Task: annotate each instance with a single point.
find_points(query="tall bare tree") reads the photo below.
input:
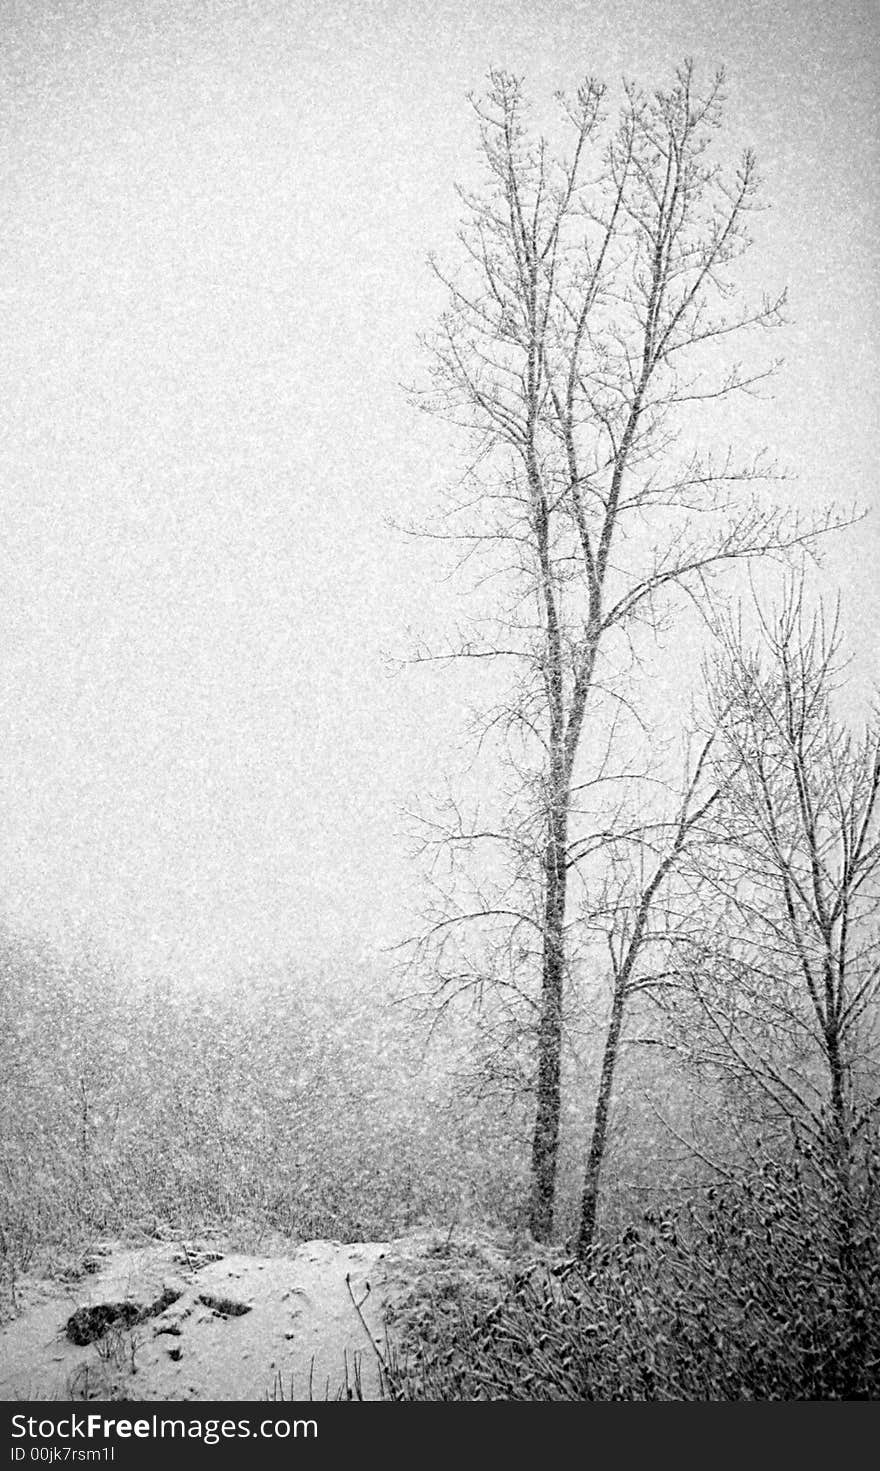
(589, 337)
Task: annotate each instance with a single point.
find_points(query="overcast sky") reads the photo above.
(215, 218)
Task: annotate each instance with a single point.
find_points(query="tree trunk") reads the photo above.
(545, 1141)
(590, 1197)
(839, 1121)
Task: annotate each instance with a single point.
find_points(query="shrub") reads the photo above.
(764, 1289)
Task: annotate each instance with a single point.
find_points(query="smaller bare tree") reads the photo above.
(798, 872)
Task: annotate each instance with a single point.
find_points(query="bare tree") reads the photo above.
(588, 340)
(790, 972)
(783, 960)
(636, 927)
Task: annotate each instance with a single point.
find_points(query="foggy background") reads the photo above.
(215, 222)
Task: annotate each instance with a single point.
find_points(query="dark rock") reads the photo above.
(88, 1324)
(225, 1307)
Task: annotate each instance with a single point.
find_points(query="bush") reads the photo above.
(766, 1289)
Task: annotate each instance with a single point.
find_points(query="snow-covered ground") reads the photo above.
(241, 1328)
(308, 1321)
